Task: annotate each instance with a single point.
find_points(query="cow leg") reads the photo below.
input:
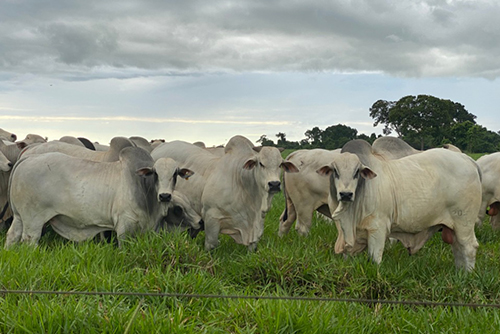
(304, 219)
(32, 232)
(340, 242)
(287, 218)
(376, 244)
(464, 249)
(15, 232)
(212, 229)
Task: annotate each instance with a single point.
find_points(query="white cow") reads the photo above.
(11, 153)
(408, 199)
(233, 192)
(81, 198)
(32, 139)
(8, 136)
(305, 191)
(116, 145)
(490, 167)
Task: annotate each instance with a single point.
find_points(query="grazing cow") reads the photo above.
(8, 136)
(408, 199)
(490, 167)
(116, 145)
(305, 191)
(32, 139)
(232, 193)
(80, 198)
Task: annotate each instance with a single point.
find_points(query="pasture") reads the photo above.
(291, 266)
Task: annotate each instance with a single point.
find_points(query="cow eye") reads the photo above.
(261, 165)
(356, 175)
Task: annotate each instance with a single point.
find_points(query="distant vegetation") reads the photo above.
(422, 121)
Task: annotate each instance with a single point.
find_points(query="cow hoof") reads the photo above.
(252, 247)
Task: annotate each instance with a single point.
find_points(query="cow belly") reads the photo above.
(75, 230)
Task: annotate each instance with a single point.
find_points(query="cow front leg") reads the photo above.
(212, 230)
(376, 244)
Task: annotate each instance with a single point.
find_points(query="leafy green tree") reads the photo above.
(336, 136)
(264, 141)
(423, 120)
(314, 136)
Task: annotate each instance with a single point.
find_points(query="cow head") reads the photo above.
(345, 173)
(166, 171)
(267, 164)
(33, 139)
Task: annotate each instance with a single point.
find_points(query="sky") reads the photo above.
(209, 70)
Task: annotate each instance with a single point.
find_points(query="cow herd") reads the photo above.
(372, 192)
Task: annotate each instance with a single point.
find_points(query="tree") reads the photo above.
(264, 141)
(314, 136)
(423, 120)
(336, 136)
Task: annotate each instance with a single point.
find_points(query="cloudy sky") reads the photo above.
(207, 70)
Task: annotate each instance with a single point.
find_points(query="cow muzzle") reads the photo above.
(346, 196)
(274, 186)
(165, 197)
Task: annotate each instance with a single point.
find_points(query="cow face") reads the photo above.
(166, 171)
(345, 173)
(267, 164)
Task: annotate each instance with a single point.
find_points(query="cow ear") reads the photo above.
(325, 171)
(145, 171)
(289, 167)
(21, 145)
(251, 163)
(281, 149)
(367, 173)
(184, 173)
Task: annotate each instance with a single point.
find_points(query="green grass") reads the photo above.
(288, 266)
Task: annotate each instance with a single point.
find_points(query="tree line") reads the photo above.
(423, 121)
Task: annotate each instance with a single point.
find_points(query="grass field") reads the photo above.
(291, 266)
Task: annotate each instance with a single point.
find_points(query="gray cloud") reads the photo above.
(88, 39)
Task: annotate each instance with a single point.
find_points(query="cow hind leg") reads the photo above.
(464, 248)
(14, 233)
(287, 218)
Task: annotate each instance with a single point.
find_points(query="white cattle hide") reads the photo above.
(408, 199)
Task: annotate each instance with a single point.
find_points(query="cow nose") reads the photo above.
(346, 196)
(165, 197)
(274, 185)
(10, 164)
(13, 136)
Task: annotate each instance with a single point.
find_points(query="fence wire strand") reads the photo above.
(214, 296)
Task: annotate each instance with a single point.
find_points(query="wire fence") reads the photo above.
(215, 296)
